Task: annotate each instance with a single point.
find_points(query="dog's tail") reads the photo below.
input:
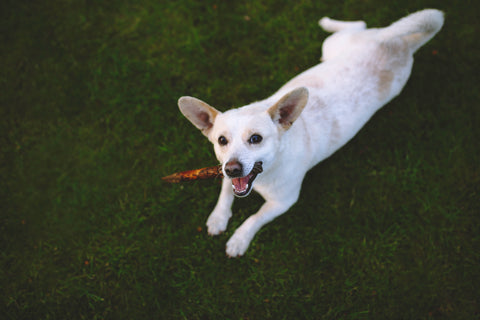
(416, 29)
(331, 25)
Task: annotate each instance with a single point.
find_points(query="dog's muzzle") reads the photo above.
(242, 185)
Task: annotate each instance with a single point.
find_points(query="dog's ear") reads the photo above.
(198, 112)
(289, 107)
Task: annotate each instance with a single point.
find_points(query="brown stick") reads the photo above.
(197, 174)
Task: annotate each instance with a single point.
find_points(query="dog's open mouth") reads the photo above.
(242, 186)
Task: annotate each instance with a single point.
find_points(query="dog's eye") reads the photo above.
(222, 141)
(254, 139)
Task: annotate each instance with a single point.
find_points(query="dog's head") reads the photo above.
(245, 139)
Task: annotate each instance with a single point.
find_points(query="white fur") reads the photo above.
(363, 69)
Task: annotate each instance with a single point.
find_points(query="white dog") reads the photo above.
(271, 144)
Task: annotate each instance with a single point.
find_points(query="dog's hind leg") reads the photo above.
(415, 29)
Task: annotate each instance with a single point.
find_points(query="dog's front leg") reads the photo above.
(239, 242)
(218, 219)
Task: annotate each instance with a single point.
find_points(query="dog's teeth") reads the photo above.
(246, 187)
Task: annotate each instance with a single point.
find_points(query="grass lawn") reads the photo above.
(386, 228)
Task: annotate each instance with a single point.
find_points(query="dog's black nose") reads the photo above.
(233, 169)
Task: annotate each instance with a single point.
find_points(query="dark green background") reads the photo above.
(387, 228)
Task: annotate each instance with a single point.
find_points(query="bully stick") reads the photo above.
(197, 174)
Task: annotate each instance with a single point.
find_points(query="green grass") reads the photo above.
(387, 228)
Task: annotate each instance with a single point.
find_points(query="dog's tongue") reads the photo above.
(240, 184)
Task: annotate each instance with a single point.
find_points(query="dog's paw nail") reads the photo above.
(229, 256)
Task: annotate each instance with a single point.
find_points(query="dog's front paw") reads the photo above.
(217, 223)
(238, 244)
